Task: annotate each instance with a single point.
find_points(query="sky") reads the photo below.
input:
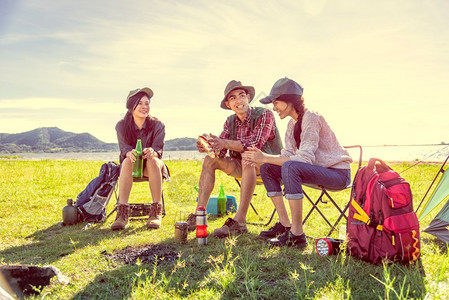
(377, 71)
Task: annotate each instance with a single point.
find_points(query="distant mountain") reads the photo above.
(180, 144)
(53, 139)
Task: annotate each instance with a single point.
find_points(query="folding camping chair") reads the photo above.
(258, 182)
(325, 192)
(139, 211)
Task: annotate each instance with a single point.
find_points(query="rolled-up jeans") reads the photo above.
(292, 174)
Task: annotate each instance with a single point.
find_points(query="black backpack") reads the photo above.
(92, 201)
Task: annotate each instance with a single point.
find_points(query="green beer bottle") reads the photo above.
(138, 164)
(221, 209)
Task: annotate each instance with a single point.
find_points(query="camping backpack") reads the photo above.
(381, 222)
(92, 201)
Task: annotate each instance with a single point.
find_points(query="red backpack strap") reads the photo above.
(369, 192)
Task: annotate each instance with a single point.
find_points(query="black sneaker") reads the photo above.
(290, 240)
(274, 231)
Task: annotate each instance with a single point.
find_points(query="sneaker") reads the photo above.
(155, 216)
(121, 220)
(274, 231)
(290, 240)
(191, 222)
(230, 227)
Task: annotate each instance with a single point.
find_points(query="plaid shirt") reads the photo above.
(264, 130)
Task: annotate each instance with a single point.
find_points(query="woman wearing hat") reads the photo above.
(139, 124)
(312, 155)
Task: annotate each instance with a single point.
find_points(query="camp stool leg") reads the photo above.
(140, 205)
(258, 182)
(144, 206)
(324, 197)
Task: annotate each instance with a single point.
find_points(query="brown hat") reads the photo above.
(145, 90)
(233, 85)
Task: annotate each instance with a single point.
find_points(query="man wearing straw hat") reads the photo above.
(247, 127)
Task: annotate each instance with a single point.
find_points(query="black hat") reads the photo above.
(283, 86)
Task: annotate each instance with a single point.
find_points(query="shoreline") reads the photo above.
(388, 153)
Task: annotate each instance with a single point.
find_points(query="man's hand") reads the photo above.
(217, 143)
(201, 146)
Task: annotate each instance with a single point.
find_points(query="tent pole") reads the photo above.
(436, 176)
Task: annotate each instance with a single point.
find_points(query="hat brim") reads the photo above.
(145, 90)
(268, 99)
(251, 91)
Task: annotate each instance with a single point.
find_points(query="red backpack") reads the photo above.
(381, 222)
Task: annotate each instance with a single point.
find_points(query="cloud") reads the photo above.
(79, 61)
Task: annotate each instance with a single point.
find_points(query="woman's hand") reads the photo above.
(149, 153)
(253, 156)
(132, 155)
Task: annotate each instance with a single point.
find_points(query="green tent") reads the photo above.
(439, 225)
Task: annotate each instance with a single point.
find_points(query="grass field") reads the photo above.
(33, 194)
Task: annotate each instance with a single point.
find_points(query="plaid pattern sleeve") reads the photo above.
(225, 134)
(264, 130)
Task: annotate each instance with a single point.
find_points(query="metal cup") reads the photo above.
(181, 231)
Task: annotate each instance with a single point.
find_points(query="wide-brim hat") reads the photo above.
(283, 86)
(145, 90)
(233, 85)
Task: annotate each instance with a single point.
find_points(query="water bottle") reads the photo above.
(69, 214)
(201, 225)
(221, 202)
(138, 164)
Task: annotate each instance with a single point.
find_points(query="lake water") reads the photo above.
(102, 156)
(431, 153)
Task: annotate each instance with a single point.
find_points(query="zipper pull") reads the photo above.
(391, 202)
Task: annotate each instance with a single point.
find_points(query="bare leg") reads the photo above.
(207, 180)
(207, 177)
(246, 192)
(126, 181)
(296, 210)
(281, 210)
(153, 171)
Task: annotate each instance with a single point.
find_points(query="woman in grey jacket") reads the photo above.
(312, 155)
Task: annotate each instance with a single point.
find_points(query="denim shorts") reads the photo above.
(293, 174)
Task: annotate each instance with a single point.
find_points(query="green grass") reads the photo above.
(33, 194)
